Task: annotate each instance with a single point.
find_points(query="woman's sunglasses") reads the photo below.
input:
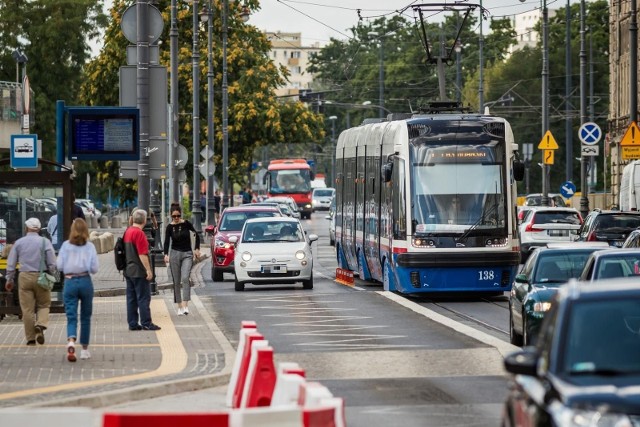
(176, 216)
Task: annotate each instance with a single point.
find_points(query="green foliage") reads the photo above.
(256, 116)
(55, 37)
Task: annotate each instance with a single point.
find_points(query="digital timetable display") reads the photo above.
(106, 133)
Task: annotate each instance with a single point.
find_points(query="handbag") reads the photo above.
(45, 279)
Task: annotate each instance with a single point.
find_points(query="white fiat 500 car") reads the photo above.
(273, 251)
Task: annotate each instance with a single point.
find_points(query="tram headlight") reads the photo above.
(496, 243)
(423, 243)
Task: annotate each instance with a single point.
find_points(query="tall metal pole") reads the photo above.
(592, 113)
(567, 100)
(381, 78)
(196, 213)
(545, 97)
(174, 195)
(480, 50)
(633, 63)
(142, 101)
(210, 132)
(225, 109)
(584, 199)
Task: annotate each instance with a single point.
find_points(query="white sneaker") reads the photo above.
(84, 354)
(180, 311)
(186, 310)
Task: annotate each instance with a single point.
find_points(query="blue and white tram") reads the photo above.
(396, 182)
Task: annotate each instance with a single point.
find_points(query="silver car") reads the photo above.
(321, 198)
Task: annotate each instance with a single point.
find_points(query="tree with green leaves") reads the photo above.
(55, 36)
(256, 116)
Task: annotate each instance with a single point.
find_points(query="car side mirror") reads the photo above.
(523, 362)
(518, 170)
(210, 230)
(233, 240)
(313, 237)
(327, 217)
(521, 278)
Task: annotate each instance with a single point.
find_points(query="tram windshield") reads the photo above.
(457, 188)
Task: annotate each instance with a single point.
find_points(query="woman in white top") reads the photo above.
(78, 259)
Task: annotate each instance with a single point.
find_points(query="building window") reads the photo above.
(296, 70)
(295, 54)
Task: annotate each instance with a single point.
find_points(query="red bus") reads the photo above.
(291, 177)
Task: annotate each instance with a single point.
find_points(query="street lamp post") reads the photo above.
(584, 198)
(208, 18)
(545, 97)
(225, 101)
(225, 109)
(196, 213)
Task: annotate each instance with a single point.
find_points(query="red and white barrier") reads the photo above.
(261, 376)
(213, 419)
(290, 377)
(246, 326)
(261, 396)
(244, 366)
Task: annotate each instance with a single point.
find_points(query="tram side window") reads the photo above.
(399, 200)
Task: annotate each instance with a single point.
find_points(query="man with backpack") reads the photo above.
(138, 273)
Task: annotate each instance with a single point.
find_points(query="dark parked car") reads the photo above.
(608, 226)
(611, 264)
(540, 278)
(584, 369)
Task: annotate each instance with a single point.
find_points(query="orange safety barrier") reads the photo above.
(344, 276)
(215, 419)
(244, 366)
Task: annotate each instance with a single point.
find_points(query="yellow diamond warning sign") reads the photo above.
(631, 136)
(548, 142)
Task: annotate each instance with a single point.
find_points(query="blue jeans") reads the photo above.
(138, 300)
(78, 289)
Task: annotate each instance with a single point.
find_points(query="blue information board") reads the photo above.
(24, 151)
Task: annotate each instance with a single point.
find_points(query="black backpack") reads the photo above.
(120, 254)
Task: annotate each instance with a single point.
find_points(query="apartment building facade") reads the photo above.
(287, 50)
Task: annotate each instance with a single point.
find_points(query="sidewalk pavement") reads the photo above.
(189, 353)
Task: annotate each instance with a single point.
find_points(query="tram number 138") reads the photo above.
(486, 275)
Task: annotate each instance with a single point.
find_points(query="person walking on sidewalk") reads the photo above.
(138, 274)
(178, 253)
(78, 260)
(35, 301)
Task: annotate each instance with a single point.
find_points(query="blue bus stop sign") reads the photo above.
(568, 189)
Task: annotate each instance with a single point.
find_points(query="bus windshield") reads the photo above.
(457, 188)
(289, 181)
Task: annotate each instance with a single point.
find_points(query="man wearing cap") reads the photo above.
(34, 300)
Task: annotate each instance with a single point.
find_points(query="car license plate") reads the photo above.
(274, 269)
(558, 233)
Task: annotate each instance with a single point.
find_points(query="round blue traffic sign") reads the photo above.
(589, 133)
(568, 189)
